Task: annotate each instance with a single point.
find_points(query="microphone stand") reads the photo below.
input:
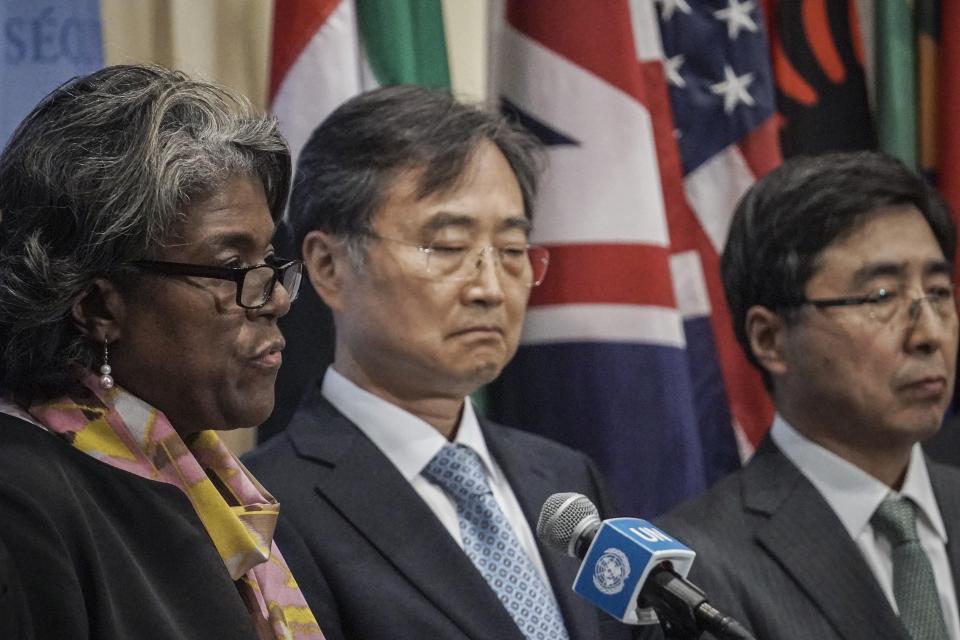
(684, 611)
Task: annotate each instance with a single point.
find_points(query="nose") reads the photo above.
(916, 307)
(278, 305)
(486, 286)
(927, 328)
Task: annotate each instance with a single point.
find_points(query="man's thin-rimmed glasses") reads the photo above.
(885, 304)
(523, 263)
(255, 284)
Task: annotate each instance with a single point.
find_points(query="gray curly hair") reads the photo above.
(94, 178)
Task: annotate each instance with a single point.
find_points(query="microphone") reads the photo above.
(632, 570)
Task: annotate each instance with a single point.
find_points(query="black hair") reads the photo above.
(349, 161)
(785, 221)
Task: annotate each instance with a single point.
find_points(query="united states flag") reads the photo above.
(658, 116)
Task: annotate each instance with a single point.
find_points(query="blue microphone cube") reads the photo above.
(619, 561)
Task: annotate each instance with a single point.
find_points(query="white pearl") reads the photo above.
(105, 369)
(106, 382)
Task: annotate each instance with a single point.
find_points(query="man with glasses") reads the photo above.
(839, 275)
(407, 515)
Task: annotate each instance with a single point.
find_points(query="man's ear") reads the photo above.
(99, 311)
(326, 260)
(766, 332)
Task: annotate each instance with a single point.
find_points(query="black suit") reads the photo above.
(373, 560)
(91, 551)
(772, 553)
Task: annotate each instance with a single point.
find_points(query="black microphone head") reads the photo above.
(563, 519)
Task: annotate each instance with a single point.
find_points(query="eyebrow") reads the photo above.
(938, 267)
(872, 270)
(515, 222)
(240, 240)
(446, 219)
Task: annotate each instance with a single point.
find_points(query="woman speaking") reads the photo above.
(139, 298)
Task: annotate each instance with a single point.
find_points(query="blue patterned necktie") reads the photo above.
(914, 587)
(491, 545)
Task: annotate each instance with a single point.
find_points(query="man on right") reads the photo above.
(838, 273)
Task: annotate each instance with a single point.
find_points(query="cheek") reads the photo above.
(516, 312)
(430, 311)
(822, 365)
(407, 319)
(206, 346)
(201, 364)
(950, 349)
(515, 300)
(853, 353)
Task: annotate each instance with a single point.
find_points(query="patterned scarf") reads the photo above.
(121, 430)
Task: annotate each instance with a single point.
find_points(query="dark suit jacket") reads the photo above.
(772, 553)
(373, 560)
(91, 551)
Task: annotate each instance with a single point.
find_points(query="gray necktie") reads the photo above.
(491, 545)
(913, 584)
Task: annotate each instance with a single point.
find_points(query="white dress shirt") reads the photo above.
(854, 495)
(410, 443)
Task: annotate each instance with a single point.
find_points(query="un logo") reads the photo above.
(611, 571)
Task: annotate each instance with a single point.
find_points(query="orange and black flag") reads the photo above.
(817, 57)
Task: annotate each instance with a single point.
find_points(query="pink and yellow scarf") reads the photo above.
(238, 513)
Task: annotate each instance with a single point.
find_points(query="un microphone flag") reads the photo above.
(621, 557)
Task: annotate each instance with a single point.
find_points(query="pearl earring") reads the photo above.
(106, 380)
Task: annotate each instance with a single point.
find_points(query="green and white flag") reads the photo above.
(325, 51)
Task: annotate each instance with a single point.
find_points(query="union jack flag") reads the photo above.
(658, 116)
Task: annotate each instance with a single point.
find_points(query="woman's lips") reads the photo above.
(271, 359)
(270, 356)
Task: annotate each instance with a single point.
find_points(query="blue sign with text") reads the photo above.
(43, 44)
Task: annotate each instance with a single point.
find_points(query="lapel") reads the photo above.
(533, 479)
(947, 490)
(364, 487)
(799, 529)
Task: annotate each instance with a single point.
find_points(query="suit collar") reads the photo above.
(396, 522)
(530, 468)
(851, 492)
(801, 531)
(408, 441)
(946, 487)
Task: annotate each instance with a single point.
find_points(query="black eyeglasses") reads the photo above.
(886, 304)
(254, 284)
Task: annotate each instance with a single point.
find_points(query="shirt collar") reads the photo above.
(852, 493)
(408, 441)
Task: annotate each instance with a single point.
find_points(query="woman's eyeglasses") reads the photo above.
(255, 284)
